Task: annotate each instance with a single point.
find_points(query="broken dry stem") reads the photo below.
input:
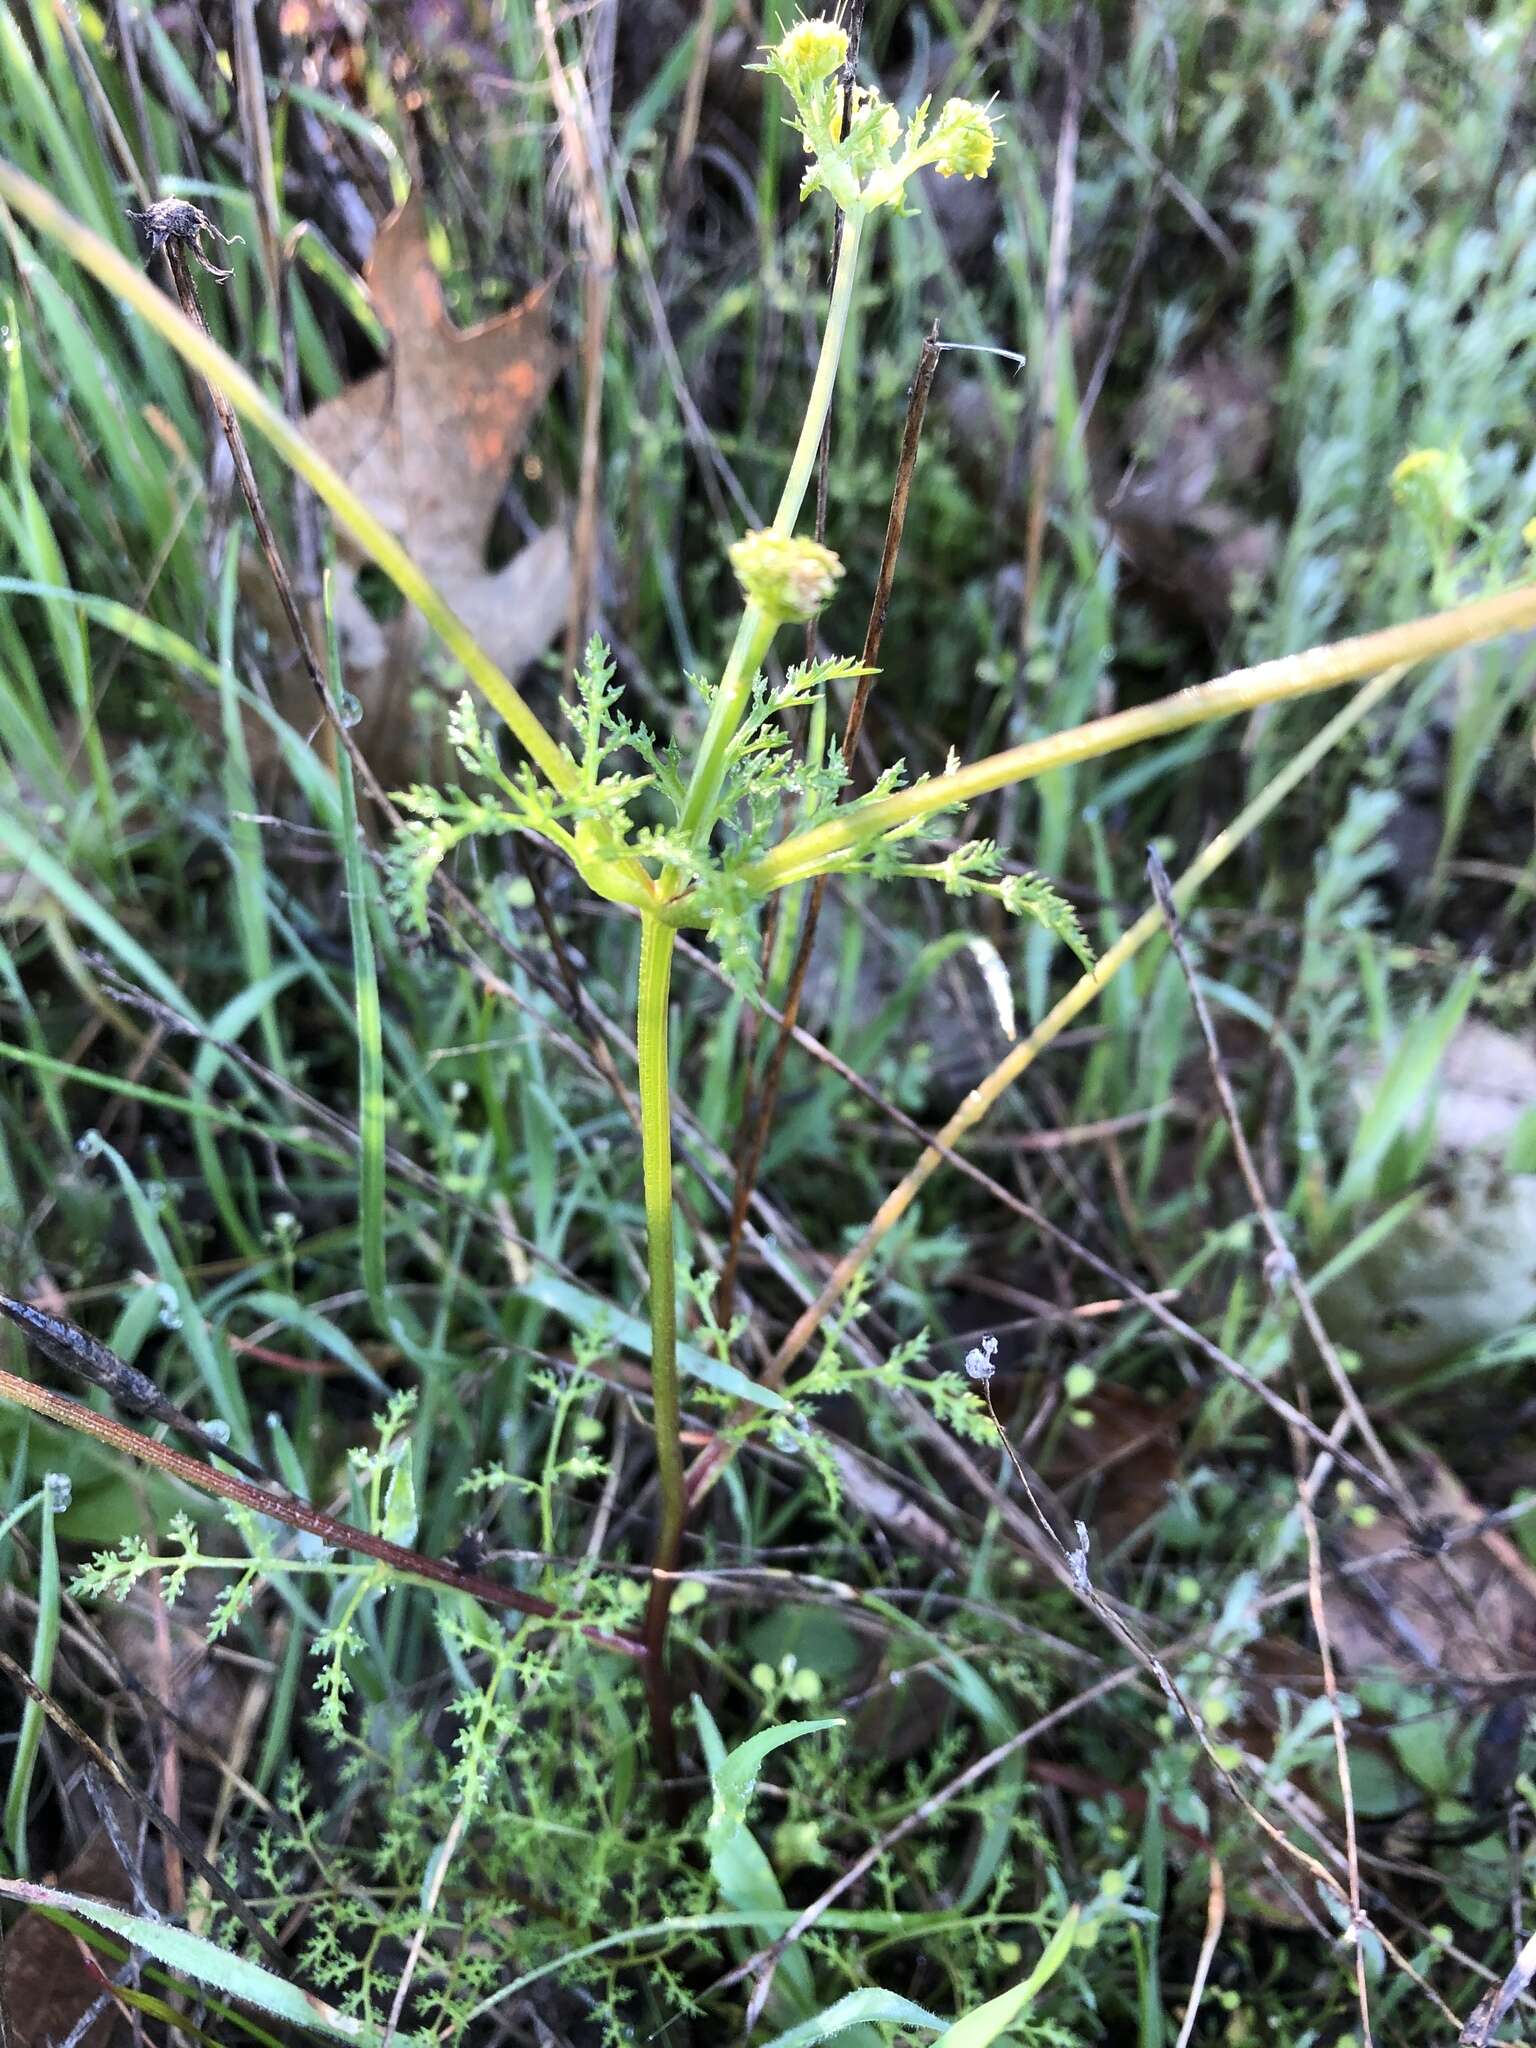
(296, 1514)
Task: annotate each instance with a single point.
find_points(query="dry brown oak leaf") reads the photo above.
(428, 444)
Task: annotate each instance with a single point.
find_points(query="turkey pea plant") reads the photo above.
(691, 843)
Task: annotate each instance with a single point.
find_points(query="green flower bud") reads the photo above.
(963, 141)
(789, 578)
(873, 120)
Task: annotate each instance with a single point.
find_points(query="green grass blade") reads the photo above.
(370, 1030)
(189, 1955)
(868, 2007)
(1400, 1098)
(588, 1312)
(219, 1378)
(45, 1643)
(19, 840)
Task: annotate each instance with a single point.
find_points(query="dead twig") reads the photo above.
(157, 1817)
(980, 1367)
(261, 177)
(296, 1514)
(1305, 1491)
(1215, 1919)
(982, 1767)
(66, 1345)
(1490, 2010)
(693, 93)
(176, 227)
(1219, 240)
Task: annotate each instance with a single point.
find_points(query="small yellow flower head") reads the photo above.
(875, 117)
(790, 578)
(963, 140)
(1429, 469)
(1424, 467)
(807, 53)
(1433, 486)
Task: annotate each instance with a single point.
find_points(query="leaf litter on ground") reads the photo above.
(428, 442)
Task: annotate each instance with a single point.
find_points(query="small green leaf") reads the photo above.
(735, 1779)
(988, 2021)
(1435, 1749)
(1403, 1093)
(1031, 896)
(1521, 1154)
(586, 1312)
(400, 1516)
(737, 1860)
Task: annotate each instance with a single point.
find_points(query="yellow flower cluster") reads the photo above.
(869, 165)
(788, 578)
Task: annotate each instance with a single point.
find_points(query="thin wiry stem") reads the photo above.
(1043, 456)
(1319, 1610)
(582, 142)
(1360, 1920)
(241, 392)
(1281, 1264)
(754, 636)
(1215, 1920)
(156, 1815)
(1283, 1271)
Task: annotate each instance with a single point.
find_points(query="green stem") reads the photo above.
(657, 942)
(757, 628)
(1293, 675)
(754, 636)
(819, 404)
(749, 650)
